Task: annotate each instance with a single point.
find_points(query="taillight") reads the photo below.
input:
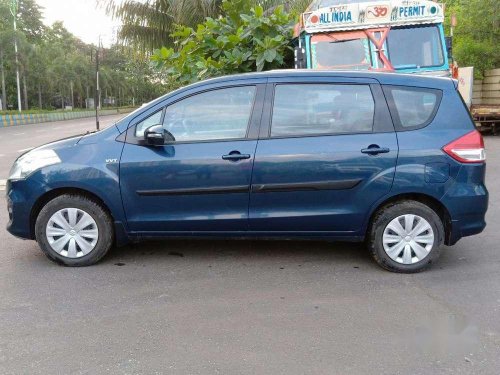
(467, 149)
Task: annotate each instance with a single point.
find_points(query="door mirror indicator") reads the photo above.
(157, 135)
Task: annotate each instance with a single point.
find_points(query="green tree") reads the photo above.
(30, 20)
(245, 39)
(477, 35)
(58, 69)
(5, 38)
(149, 24)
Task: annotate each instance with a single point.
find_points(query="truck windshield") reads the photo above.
(352, 54)
(415, 47)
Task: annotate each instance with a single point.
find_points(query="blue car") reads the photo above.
(392, 160)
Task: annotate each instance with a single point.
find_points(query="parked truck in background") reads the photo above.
(403, 36)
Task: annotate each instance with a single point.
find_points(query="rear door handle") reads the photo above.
(235, 156)
(375, 150)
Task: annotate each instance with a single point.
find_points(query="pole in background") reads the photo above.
(97, 93)
(72, 96)
(13, 11)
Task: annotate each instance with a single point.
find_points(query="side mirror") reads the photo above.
(156, 135)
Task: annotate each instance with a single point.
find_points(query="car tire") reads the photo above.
(86, 245)
(386, 237)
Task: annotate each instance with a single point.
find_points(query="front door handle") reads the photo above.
(235, 156)
(375, 150)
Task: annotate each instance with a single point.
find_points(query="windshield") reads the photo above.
(415, 47)
(347, 54)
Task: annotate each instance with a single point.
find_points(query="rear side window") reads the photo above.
(412, 107)
(315, 109)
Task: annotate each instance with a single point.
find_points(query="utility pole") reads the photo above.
(97, 93)
(13, 11)
(72, 96)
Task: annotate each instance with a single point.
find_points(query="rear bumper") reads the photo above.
(467, 204)
(465, 228)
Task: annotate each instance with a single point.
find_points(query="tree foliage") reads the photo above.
(244, 39)
(477, 34)
(148, 25)
(58, 69)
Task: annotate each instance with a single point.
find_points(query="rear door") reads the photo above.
(327, 152)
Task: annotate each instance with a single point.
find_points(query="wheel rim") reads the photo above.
(408, 239)
(72, 233)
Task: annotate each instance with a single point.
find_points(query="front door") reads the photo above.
(201, 181)
(328, 154)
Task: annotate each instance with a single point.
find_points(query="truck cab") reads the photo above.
(396, 35)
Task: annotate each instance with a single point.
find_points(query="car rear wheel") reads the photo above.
(406, 237)
(74, 230)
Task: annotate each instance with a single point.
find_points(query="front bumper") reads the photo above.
(21, 199)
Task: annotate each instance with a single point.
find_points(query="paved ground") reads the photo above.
(228, 307)
(15, 140)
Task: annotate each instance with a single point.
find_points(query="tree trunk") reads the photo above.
(40, 104)
(4, 93)
(25, 91)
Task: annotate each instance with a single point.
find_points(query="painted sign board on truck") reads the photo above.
(353, 16)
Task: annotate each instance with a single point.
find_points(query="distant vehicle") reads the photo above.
(391, 159)
(382, 35)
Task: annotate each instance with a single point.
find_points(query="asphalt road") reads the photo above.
(246, 307)
(15, 140)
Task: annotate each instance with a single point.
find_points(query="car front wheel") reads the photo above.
(406, 237)
(74, 230)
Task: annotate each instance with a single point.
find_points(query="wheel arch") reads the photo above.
(48, 196)
(430, 201)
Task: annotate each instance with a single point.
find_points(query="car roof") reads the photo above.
(383, 78)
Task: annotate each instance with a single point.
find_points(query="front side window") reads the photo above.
(414, 107)
(218, 114)
(154, 119)
(313, 109)
(415, 47)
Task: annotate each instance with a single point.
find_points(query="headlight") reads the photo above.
(31, 162)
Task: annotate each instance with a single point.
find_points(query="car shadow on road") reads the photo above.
(354, 254)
